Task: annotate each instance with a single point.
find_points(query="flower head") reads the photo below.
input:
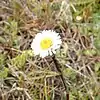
(45, 43)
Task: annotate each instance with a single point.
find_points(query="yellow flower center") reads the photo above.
(46, 43)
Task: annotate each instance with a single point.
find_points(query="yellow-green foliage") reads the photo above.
(19, 60)
(11, 29)
(4, 72)
(2, 60)
(3, 69)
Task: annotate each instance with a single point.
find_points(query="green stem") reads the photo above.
(61, 76)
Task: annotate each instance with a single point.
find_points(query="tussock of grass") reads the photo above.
(74, 73)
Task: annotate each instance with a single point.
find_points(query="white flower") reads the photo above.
(45, 43)
(78, 18)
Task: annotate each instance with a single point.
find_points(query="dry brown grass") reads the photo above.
(25, 77)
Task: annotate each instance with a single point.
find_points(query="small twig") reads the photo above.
(19, 89)
(77, 72)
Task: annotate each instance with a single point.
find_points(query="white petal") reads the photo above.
(50, 52)
(43, 54)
